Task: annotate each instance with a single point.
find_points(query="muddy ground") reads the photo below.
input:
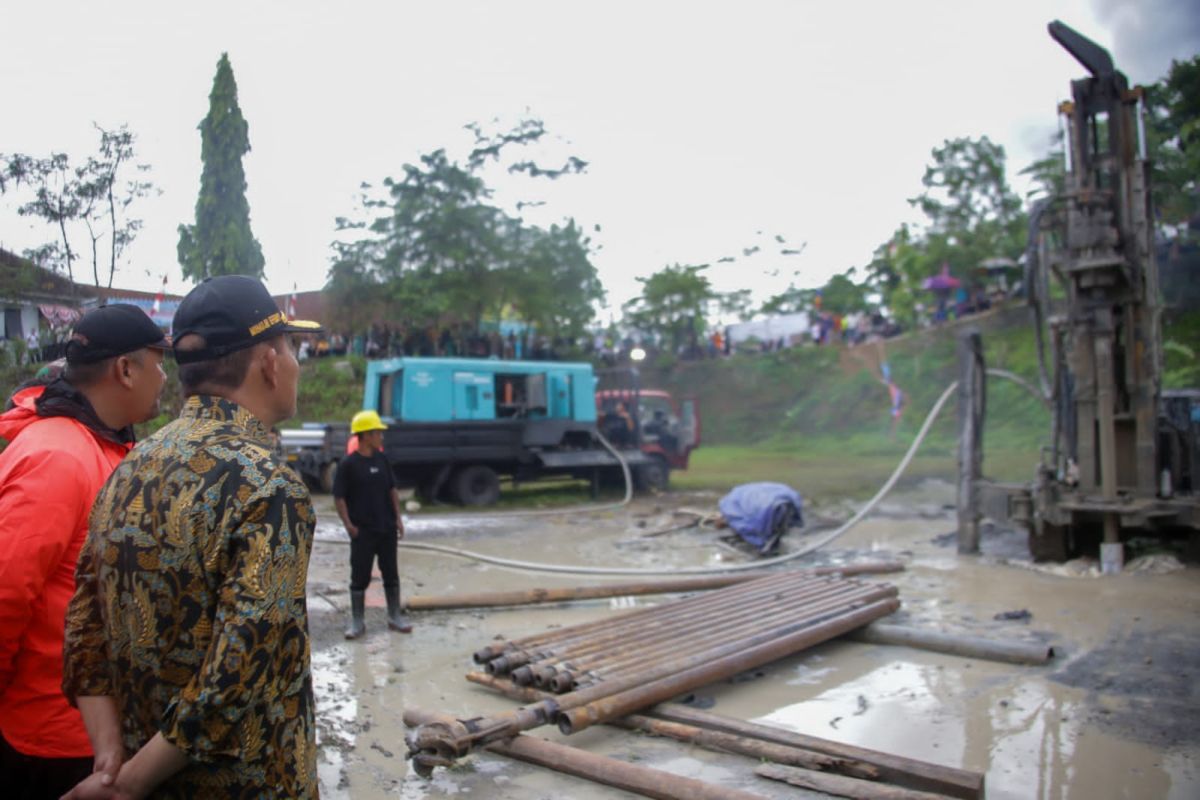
(1114, 715)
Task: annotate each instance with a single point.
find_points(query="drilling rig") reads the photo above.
(1124, 456)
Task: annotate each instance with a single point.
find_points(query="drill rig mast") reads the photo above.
(1115, 461)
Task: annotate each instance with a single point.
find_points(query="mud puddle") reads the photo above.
(1113, 716)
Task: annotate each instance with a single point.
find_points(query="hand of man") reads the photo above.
(107, 763)
(399, 528)
(352, 529)
(94, 787)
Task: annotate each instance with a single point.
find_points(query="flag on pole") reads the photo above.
(291, 308)
(158, 298)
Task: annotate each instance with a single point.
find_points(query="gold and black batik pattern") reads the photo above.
(190, 610)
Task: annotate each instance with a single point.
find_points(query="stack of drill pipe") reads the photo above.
(582, 655)
(624, 663)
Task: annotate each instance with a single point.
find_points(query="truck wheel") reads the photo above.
(476, 485)
(328, 472)
(653, 476)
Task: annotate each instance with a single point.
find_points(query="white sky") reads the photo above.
(703, 123)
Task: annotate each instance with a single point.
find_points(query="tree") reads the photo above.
(434, 249)
(1174, 139)
(221, 242)
(674, 304)
(94, 195)
(553, 283)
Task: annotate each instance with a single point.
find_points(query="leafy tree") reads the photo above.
(1174, 138)
(553, 282)
(221, 242)
(435, 250)
(95, 195)
(674, 304)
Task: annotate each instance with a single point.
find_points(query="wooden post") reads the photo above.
(972, 392)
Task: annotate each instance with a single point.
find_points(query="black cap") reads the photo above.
(231, 312)
(111, 331)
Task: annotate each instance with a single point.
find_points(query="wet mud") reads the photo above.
(1113, 715)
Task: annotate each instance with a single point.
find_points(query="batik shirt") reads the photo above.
(190, 610)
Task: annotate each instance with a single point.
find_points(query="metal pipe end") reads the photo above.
(562, 682)
(565, 723)
(543, 675)
(522, 676)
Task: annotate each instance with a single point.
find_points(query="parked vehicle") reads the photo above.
(456, 427)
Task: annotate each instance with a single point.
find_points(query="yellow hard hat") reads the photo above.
(365, 421)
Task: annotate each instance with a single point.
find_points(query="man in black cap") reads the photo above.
(65, 435)
(188, 631)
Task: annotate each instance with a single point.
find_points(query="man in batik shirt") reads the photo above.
(188, 629)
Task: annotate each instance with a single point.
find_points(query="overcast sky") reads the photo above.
(702, 123)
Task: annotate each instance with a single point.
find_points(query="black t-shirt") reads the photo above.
(366, 483)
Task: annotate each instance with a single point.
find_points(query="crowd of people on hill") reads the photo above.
(382, 340)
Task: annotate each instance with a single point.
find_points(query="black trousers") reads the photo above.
(364, 549)
(33, 778)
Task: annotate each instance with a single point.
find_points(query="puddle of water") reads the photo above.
(1062, 731)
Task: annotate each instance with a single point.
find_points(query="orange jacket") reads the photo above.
(49, 476)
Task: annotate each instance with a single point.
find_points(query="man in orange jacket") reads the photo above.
(65, 437)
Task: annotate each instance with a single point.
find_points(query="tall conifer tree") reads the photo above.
(221, 242)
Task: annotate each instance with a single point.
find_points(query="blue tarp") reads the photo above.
(762, 512)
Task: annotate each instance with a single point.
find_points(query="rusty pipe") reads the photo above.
(572, 640)
(600, 769)
(493, 650)
(899, 770)
(563, 594)
(706, 624)
(578, 716)
(808, 613)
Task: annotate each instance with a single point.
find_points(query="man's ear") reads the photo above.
(122, 370)
(269, 365)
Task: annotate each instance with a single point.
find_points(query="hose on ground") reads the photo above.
(809, 547)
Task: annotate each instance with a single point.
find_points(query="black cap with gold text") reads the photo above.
(231, 312)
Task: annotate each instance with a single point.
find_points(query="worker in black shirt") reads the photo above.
(364, 492)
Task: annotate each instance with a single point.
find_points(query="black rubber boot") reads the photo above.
(357, 626)
(396, 619)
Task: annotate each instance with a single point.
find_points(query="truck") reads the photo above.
(458, 426)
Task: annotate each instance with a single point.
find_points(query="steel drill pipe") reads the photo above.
(810, 618)
(868, 568)
(491, 651)
(956, 644)
(607, 672)
(840, 785)
(672, 677)
(578, 641)
(703, 737)
(892, 768)
(622, 623)
(702, 638)
(699, 637)
(750, 608)
(562, 594)
(637, 644)
(634, 778)
(586, 638)
(909, 772)
(579, 716)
